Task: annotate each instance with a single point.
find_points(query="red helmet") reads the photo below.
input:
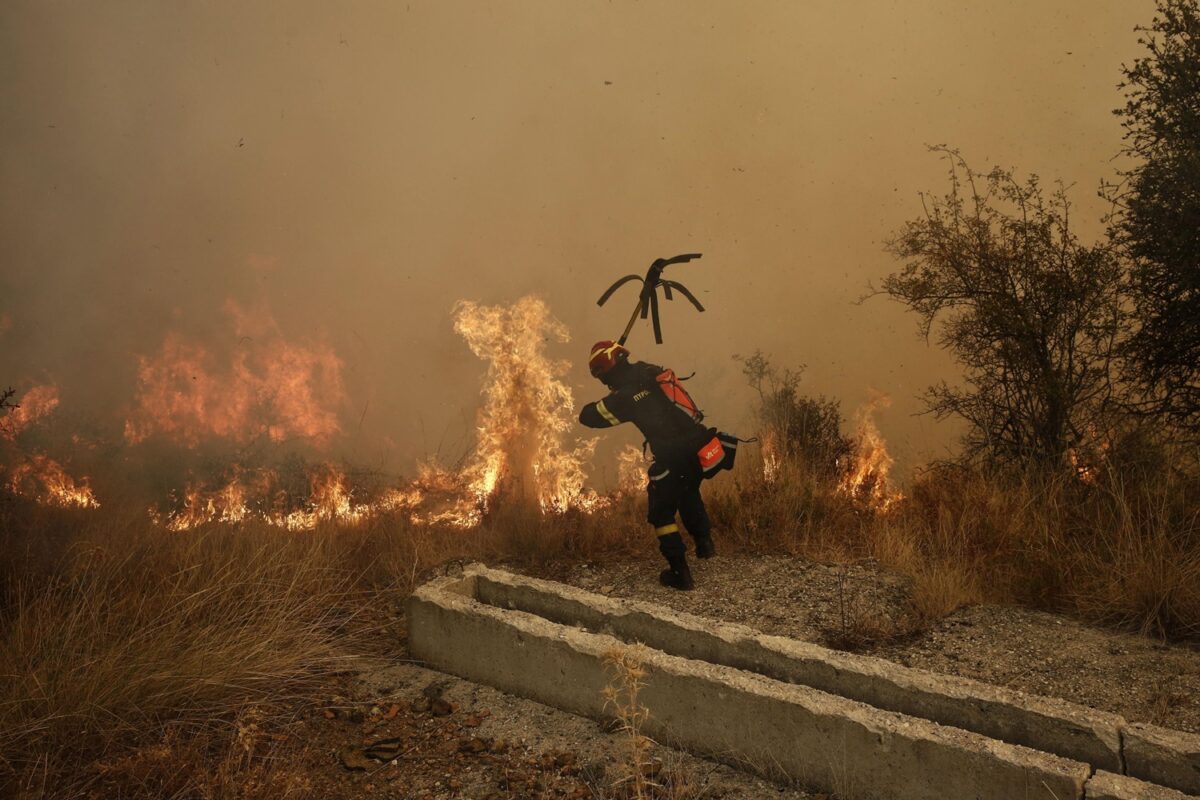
(606, 355)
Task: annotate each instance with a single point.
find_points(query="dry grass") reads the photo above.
(138, 662)
(1122, 549)
(144, 642)
(132, 658)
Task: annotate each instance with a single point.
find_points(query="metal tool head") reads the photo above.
(648, 297)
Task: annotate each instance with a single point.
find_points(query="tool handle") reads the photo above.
(629, 328)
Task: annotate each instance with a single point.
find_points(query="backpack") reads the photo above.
(718, 452)
(673, 388)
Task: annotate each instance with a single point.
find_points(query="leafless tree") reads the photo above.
(1033, 315)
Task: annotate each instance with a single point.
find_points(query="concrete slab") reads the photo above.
(1107, 786)
(1170, 758)
(1047, 724)
(775, 728)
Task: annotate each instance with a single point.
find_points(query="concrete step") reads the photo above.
(811, 714)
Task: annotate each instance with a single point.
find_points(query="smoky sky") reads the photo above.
(355, 168)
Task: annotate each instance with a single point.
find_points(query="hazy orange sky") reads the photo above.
(357, 168)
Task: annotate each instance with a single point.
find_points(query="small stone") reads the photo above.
(353, 758)
(436, 689)
(472, 745)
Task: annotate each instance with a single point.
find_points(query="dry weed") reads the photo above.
(627, 678)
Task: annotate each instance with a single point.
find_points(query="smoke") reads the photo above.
(352, 172)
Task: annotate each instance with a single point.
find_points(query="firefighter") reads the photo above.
(651, 398)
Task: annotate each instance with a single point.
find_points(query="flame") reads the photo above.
(252, 495)
(519, 452)
(527, 409)
(43, 479)
(270, 387)
(867, 475)
(38, 476)
(38, 402)
(231, 502)
(632, 476)
(1084, 470)
(770, 457)
(329, 500)
(1087, 457)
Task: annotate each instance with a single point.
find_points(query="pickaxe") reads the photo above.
(648, 299)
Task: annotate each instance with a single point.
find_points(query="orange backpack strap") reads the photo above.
(677, 394)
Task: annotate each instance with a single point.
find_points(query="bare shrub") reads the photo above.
(794, 427)
(994, 270)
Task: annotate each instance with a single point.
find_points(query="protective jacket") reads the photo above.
(673, 434)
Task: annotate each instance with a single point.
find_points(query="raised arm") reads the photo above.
(604, 413)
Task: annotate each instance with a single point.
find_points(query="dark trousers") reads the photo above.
(675, 487)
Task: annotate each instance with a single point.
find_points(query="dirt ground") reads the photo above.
(457, 739)
(1142, 679)
(440, 737)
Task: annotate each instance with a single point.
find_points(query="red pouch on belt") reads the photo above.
(712, 454)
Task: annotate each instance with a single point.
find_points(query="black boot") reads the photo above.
(677, 575)
(704, 546)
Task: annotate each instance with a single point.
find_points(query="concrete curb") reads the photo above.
(1159, 755)
(1047, 724)
(775, 728)
(1107, 786)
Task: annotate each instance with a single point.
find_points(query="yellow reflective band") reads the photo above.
(610, 349)
(663, 530)
(608, 415)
